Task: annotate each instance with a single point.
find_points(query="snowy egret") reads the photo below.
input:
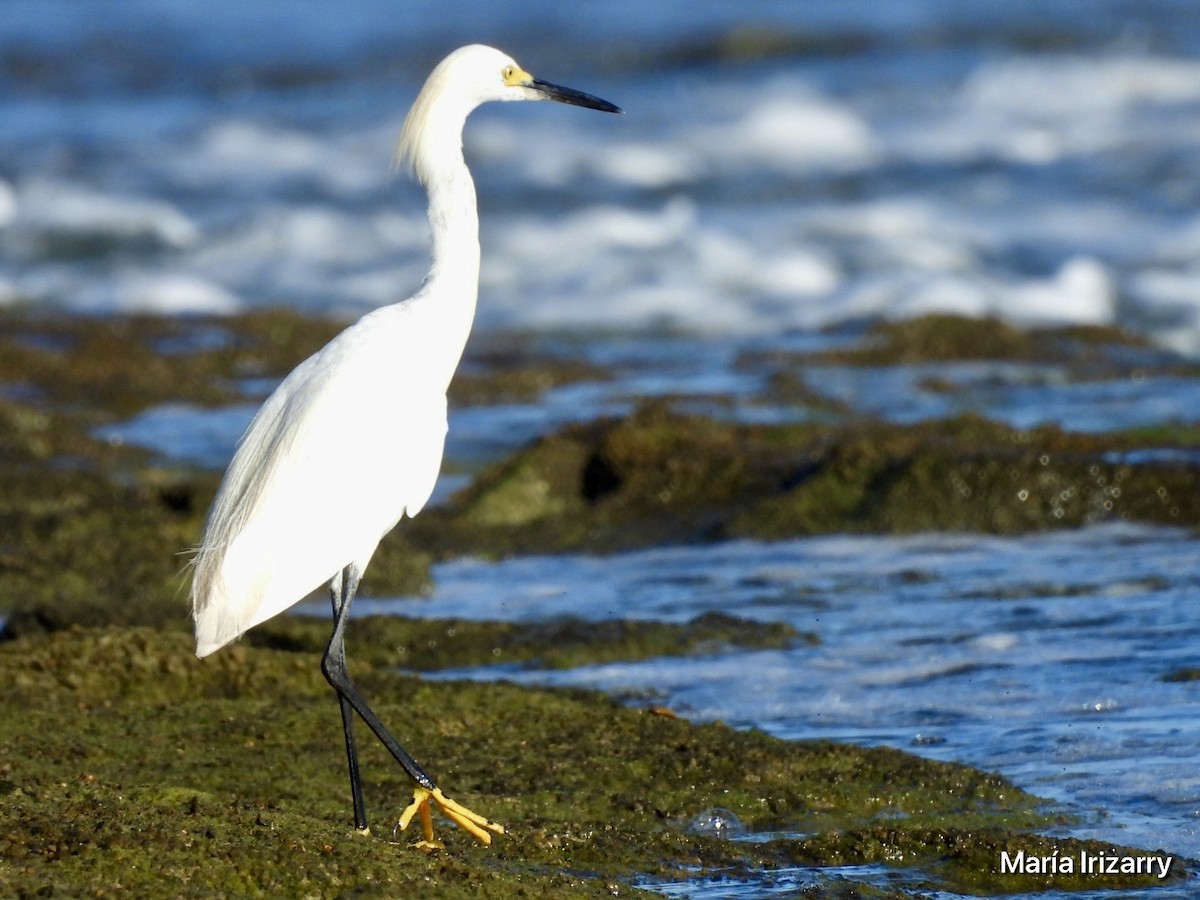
(352, 439)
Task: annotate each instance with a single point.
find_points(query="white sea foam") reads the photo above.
(264, 156)
(51, 207)
(168, 293)
(646, 165)
(1060, 88)
(1171, 297)
(8, 203)
(319, 257)
(176, 292)
(773, 204)
(792, 130)
(1037, 110)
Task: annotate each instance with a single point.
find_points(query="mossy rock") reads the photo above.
(128, 764)
(657, 476)
(425, 645)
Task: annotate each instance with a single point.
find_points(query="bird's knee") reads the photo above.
(335, 673)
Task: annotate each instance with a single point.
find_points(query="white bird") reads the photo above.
(352, 439)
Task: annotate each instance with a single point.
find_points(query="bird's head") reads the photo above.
(485, 74)
(468, 77)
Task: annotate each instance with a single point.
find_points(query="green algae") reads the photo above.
(124, 761)
(650, 478)
(101, 369)
(1085, 350)
(426, 645)
(85, 521)
(971, 475)
(659, 476)
(516, 368)
(1071, 354)
(653, 477)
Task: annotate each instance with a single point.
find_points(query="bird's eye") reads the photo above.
(507, 73)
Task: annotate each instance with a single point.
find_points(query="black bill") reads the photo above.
(572, 96)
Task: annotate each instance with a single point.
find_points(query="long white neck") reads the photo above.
(454, 224)
(432, 143)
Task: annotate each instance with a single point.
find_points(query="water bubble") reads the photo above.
(716, 822)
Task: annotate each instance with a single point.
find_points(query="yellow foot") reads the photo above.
(472, 823)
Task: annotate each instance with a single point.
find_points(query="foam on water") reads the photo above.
(795, 193)
(43, 208)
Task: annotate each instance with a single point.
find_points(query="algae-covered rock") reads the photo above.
(429, 644)
(517, 368)
(653, 477)
(971, 475)
(1085, 350)
(103, 368)
(660, 476)
(126, 764)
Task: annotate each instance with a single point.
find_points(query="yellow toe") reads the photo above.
(479, 827)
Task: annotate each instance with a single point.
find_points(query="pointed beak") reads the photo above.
(571, 96)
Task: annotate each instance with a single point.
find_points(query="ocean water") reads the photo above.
(781, 167)
(1039, 657)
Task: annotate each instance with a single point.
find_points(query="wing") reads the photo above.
(348, 443)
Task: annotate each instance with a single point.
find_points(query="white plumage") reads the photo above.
(328, 466)
(352, 439)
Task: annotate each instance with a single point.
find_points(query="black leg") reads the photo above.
(333, 666)
(338, 591)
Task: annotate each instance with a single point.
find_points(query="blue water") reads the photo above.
(1036, 161)
(1039, 657)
